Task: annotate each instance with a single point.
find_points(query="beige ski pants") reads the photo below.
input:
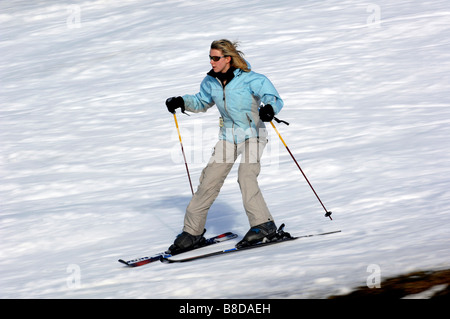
(213, 176)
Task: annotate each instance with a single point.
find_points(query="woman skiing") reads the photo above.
(238, 93)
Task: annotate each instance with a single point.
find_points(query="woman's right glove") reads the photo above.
(175, 102)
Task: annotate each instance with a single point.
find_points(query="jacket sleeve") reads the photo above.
(262, 88)
(201, 101)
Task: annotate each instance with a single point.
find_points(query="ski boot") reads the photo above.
(185, 242)
(260, 233)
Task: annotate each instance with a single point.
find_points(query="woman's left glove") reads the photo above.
(266, 113)
(175, 102)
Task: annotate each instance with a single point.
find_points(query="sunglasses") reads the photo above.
(216, 58)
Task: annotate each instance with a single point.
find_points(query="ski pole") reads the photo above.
(182, 150)
(327, 213)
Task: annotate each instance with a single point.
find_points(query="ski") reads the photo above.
(285, 237)
(146, 260)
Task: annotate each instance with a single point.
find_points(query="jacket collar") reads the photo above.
(222, 77)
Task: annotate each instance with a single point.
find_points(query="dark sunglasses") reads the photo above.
(216, 58)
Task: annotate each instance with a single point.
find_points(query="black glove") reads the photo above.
(266, 113)
(175, 102)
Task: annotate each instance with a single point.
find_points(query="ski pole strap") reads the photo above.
(280, 121)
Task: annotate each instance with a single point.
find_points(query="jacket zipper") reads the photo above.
(226, 110)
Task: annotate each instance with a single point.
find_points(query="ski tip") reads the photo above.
(123, 262)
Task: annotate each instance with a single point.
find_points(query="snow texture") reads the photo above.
(91, 168)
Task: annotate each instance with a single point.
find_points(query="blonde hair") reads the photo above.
(229, 48)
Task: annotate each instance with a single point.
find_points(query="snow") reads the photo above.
(91, 164)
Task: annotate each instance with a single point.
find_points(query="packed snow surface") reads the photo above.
(91, 166)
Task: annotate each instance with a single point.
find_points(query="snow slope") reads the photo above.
(91, 169)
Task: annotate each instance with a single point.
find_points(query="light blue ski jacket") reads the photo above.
(238, 103)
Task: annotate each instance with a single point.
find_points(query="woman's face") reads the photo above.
(223, 64)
